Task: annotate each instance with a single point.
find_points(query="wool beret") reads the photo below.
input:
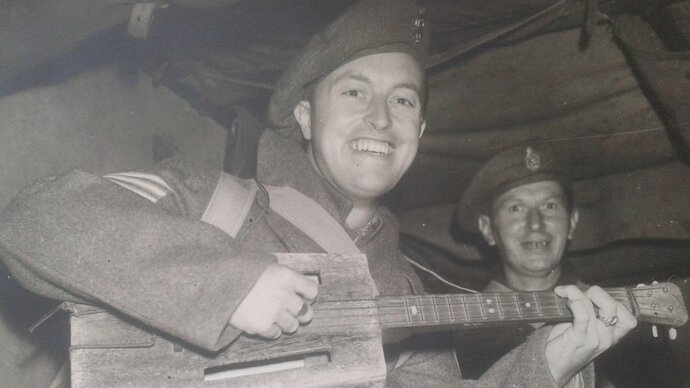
(368, 27)
(508, 169)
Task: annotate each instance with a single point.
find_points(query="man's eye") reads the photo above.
(353, 93)
(551, 206)
(514, 208)
(404, 101)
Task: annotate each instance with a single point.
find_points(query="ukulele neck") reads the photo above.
(481, 309)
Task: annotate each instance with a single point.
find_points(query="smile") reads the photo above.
(371, 146)
(535, 244)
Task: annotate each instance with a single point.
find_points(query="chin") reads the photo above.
(367, 195)
(372, 190)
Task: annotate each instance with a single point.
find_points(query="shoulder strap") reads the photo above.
(229, 205)
(312, 219)
(231, 202)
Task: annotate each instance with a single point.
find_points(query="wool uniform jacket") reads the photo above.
(134, 243)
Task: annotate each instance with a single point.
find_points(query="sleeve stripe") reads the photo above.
(136, 189)
(148, 177)
(143, 183)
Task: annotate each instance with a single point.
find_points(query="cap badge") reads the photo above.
(532, 160)
(419, 22)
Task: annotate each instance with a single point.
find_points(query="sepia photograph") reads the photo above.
(345, 193)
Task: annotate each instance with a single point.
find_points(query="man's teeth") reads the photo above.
(374, 146)
(535, 244)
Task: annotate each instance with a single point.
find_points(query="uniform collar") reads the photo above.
(500, 284)
(282, 161)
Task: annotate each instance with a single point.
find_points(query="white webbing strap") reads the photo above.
(312, 219)
(229, 205)
(231, 202)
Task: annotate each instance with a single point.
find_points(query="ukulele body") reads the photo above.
(336, 349)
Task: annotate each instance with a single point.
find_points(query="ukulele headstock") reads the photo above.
(660, 304)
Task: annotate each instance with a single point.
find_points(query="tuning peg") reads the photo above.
(672, 333)
(655, 331)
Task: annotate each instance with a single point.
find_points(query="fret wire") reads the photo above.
(558, 304)
(459, 300)
(536, 302)
(433, 304)
(407, 310)
(481, 307)
(632, 303)
(505, 303)
(499, 306)
(450, 308)
(464, 307)
(421, 312)
(466, 301)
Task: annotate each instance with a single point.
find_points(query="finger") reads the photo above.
(307, 315)
(287, 322)
(579, 305)
(306, 287)
(608, 307)
(571, 292)
(273, 332)
(626, 320)
(616, 319)
(581, 315)
(295, 304)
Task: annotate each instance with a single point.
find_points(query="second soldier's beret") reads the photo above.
(510, 168)
(368, 27)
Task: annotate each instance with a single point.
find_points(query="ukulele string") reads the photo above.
(456, 300)
(459, 307)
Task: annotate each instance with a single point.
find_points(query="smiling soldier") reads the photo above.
(521, 203)
(356, 95)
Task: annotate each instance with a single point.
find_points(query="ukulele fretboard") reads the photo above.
(431, 310)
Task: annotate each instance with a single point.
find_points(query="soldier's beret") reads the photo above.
(510, 168)
(368, 27)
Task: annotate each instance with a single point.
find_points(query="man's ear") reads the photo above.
(423, 127)
(302, 114)
(574, 217)
(484, 223)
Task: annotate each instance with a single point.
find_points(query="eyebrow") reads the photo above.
(362, 78)
(519, 200)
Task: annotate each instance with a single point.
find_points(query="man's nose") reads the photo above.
(535, 220)
(378, 116)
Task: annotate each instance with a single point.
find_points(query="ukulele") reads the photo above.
(341, 346)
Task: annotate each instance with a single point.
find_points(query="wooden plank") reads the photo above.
(334, 350)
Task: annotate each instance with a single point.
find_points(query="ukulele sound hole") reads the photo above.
(251, 368)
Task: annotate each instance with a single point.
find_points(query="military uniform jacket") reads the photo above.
(134, 243)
